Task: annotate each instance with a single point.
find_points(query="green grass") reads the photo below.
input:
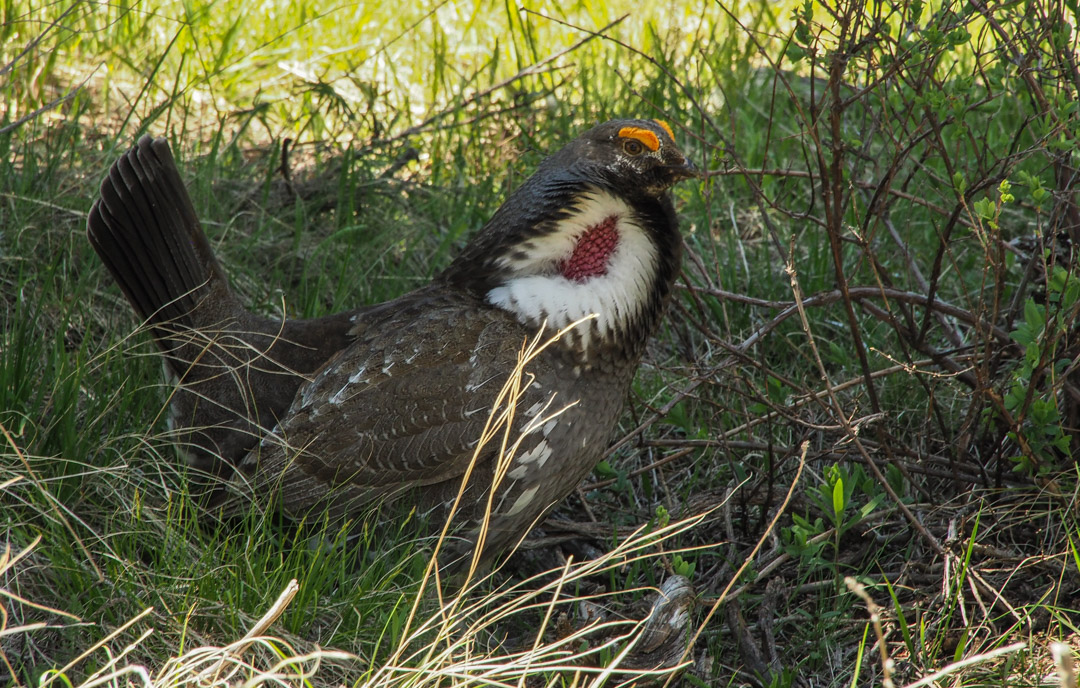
(974, 435)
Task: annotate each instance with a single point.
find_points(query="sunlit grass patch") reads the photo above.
(319, 71)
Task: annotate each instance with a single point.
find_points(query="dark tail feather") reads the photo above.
(146, 232)
(238, 370)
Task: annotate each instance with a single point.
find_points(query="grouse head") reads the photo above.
(593, 231)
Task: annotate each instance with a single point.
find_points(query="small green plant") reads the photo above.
(802, 540)
(683, 567)
(1038, 192)
(837, 497)
(1031, 399)
(988, 210)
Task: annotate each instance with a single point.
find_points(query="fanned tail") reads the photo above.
(237, 371)
(145, 230)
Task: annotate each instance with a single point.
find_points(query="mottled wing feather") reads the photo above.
(402, 407)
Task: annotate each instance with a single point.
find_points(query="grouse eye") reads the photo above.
(633, 147)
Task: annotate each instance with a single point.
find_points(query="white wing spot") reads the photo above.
(539, 453)
(523, 500)
(535, 409)
(340, 395)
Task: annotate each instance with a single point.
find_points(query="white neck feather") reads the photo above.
(537, 291)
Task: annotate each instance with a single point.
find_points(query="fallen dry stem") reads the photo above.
(964, 663)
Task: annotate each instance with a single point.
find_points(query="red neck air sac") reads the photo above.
(592, 251)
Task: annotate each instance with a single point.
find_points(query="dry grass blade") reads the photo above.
(500, 420)
(7, 563)
(208, 666)
(750, 558)
(1064, 663)
(53, 504)
(639, 647)
(887, 664)
(462, 619)
(51, 676)
(237, 649)
(449, 639)
(964, 663)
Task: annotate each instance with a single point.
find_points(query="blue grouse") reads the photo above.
(340, 412)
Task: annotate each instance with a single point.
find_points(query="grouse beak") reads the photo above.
(682, 170)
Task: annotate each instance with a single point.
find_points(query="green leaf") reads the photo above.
(959, 36)
(961, 646)
(605, 471)
(1014, 398)
(1004, 189)
(1023, 335)
(1034, 316)
(985, 208)
(683, 567)
(959, 183)
(838, 504)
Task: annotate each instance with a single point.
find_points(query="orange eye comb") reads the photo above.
(646, 137)
(665, 127)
